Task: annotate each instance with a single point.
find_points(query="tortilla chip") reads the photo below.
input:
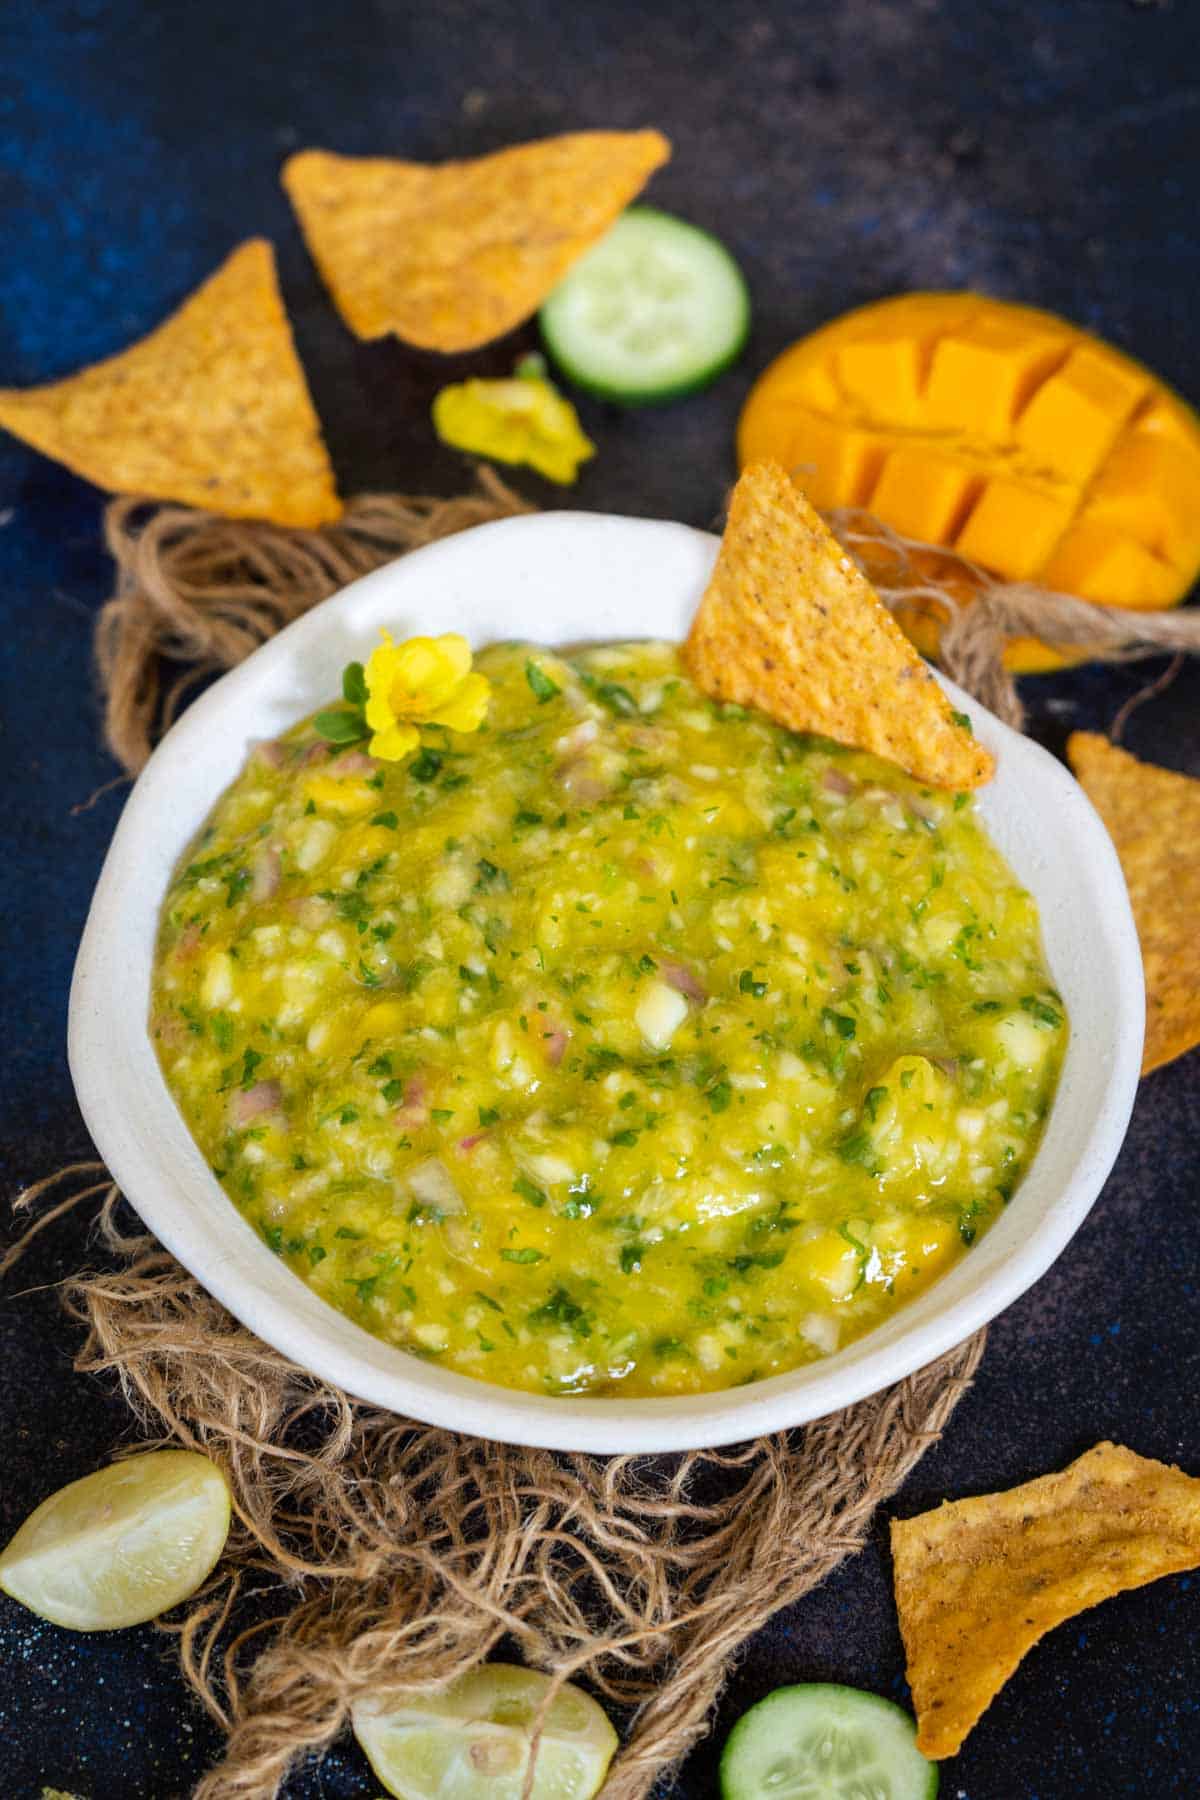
(979, 1581)
(452, 255)
(212, 408)
(788, 624)
(1153, 817)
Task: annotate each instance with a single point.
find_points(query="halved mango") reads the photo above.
(997, 431)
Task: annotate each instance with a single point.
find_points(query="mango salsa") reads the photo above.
(998, 431)
(631, 1044)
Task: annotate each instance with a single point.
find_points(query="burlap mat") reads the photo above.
(402, 1555)
(405, 1555)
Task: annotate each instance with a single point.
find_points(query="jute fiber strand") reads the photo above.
(394, 1555)
(404, 1555)
(203, 591)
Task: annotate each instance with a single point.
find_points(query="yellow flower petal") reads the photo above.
(395, 742)
(466, 710)
(422, 681)
(426, 672)
(524, 420)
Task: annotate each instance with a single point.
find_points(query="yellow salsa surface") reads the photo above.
(631, 1044)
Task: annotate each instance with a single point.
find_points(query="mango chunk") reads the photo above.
(834, 466)
(1150, 490)
(1100, 563)
(998, 431)
(1073, 419)
(1014, 526)
(885, 375)
(924, 495)
(983, 375)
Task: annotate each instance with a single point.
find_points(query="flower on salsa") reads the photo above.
(424, 681)
(520, 420)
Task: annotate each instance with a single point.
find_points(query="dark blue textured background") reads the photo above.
(845, 149)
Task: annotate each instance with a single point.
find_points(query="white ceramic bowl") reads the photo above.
(564, 578)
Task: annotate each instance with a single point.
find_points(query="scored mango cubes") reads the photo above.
(1001, 432)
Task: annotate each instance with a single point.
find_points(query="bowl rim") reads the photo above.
(159, 1168)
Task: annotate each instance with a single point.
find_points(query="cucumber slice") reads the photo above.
(821, 1742)
(656, 309)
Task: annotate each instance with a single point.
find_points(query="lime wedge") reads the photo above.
(470, 1740)
(122, 1545)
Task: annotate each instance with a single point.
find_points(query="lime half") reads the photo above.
(122, 1545)
(470, 1740)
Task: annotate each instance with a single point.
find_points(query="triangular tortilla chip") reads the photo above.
(789, 625)
(1153, 818)
(212, 408)
(979, 1581)
(452, 255)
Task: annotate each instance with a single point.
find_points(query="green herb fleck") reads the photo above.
(540, 685)
(529, 1190)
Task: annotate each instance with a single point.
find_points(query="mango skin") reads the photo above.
(1007, 434)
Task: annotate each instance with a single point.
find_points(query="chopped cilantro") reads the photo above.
(540, 685)
(426, 765)
(529, 1190)
(236, 885)
(490, 879)
(561, 1309)
(841, 1023)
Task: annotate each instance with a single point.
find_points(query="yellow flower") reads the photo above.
(523, 420)
(424, 681)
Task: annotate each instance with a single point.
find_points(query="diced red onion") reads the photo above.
(190, 939)
(168, 1028)
(414, 1109)
(267, 871)
(681, 978)
(584, 785)
(355, 762)
(835, 782)
(269, 752)
(263, 1097)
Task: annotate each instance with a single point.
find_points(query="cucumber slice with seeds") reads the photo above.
(822, 1742)
(656, 309)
